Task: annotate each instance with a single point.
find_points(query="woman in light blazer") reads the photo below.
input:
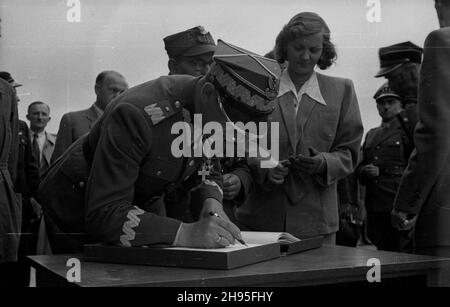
(320, 130)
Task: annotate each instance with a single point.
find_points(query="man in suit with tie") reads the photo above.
(383, 163)
(108, 85)
(42, 142)
(423, 198)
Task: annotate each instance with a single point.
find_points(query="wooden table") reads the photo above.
(328, 265)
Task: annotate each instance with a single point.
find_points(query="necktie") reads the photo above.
(36, 149)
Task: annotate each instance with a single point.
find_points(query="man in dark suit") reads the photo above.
(108, 85)
(423, 198)
(383, 163)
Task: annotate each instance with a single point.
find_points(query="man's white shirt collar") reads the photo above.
(310, 88)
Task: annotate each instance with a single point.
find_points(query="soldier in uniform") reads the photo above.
(384, 161)
(104, 185)
(191, 53)
(399, 64)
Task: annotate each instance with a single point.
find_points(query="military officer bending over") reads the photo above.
(103, 187)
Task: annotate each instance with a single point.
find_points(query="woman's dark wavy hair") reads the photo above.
(304, 24)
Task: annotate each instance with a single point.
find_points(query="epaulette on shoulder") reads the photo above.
(162, 110)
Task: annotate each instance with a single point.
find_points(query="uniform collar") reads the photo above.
(310, 88)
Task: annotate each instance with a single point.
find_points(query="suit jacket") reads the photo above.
(72, 126)
(307, 205)
(425, 186)
(28, 178)
(107, 181)
(384, 148)
(47, 152)
(10, 206)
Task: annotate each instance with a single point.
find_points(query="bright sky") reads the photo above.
(57, 60)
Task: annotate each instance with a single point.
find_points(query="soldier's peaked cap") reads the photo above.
(250, 79)
(394, 56)
(385, 91)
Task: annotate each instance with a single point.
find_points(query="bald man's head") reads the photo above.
(108, 85)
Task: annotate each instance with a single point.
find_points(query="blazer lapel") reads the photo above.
(47, 150)
(306, 107)
(92, 116)
(288, 114)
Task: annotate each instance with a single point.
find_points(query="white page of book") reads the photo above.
(227, 249)
(261, 237)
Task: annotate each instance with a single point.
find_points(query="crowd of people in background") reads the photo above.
(108, 176)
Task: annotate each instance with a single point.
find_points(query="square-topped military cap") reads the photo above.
(394, 56)
(250, 80)
(192, 42)
(7, 77)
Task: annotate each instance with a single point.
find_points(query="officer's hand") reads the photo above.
(212, 205)
(371, 171)
(277, 174)
(312, 165)
(210, 232)
(231, 186)
(401, 221)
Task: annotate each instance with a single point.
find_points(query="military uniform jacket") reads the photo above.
(132, 165)
(385, 148)
(425, 186)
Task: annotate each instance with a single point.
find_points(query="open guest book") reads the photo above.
(288, 243)
(262, 246)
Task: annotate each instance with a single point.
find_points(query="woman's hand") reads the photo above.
(278, 174)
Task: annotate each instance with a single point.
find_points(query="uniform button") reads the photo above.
(158, 173)
(177, 104)
(375, 158)
(378, 147)
(191, 163)
(81, 184)
(397, 143)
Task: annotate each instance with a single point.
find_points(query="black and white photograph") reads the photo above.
(228, 151)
